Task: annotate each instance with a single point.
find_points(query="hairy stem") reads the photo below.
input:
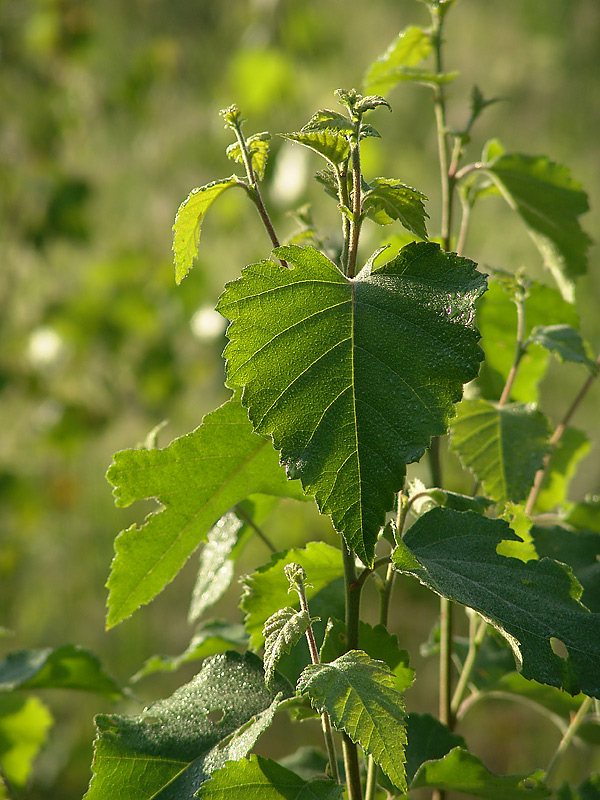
(555, 439)
(352, 591)
(342, 179)
(356, 221)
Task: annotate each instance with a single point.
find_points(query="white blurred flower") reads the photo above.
(45, 348)
(207, 324)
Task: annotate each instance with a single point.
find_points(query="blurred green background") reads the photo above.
(108, 119)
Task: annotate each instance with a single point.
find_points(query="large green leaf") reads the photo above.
(361, 697)
(529, 603)
(196, 479)
(188, 223)
(550, 203)
(259, 778)
(64, 667)
(168, 751)
(428, 739)
(268, 589)
(352, 377)
(24, 725)
(461, 771)
(504, 446)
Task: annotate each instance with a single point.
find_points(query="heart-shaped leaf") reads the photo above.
(352, 377)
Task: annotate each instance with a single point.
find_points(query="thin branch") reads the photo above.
(569, 735)
(259, 532)
(520, 350)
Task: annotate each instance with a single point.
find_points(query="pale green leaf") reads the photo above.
(522, 547)
(24, 726)
(585, 514)
(169, 750)
(550, 203)
(282, 631)
(331, 145)
(352, 377)
(258, 149)
(188, 223)
(259, 778)
(196, 479)
(361, 698)
(572, 447)
(209, 639)
(377, 642)
(216, 565)
(564, 341)
(580, 549)
(267, 590)
(64, 667)
(387, 200)
(461, 771)
(529, 603)
(411, 47)
(503, 446)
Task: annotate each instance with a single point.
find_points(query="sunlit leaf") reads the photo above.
(209, 639)
(523, 546)
(282, 631)
(64, 667)
(169, 750)
(258, 150)
(387, 200)
(461, 771)
(188, 223)
(259, 778)
(352, 377)
(361, 698)
(331, 145)
(411, 47)
(504, 446)
(550, 203)
(585, 515)
(572, 447)
(459, 560)
(196, 479)
(24, 725)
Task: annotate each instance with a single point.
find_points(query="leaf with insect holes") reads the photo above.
(504, 446)
(529, 603)
(196, 479)
(361, 698)
(260, 778)
(258, 150)
(188, 223)
(386, 200)
(352, 377)
(550, 203)
(170, 749)
(282, 631)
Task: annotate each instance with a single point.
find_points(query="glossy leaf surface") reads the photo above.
(188, 223)
(259, 778)
(503, 446)
(550, 203)
(352, 378)
(168, 751)
(360, 695)
(458, 558)
(196, 479)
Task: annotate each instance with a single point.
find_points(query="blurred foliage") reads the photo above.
(108, 117)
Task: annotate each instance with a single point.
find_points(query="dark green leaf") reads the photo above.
(282, 631)
(168, 751)
(350, 377)
(361, 698)
(387, 200)
(196, 479)
(188, 223)
(376, 641)
(24, 725)
(459, 561)
(267, 590)
(460, 771)
(259, 778)
(65, 667)
(428, 739)
(211, 638)
(503, 446)
(411, 47)
(549, 202)
(572, 447)
(564, 341)
(585, 515)
(258, 149)
(580, 550)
